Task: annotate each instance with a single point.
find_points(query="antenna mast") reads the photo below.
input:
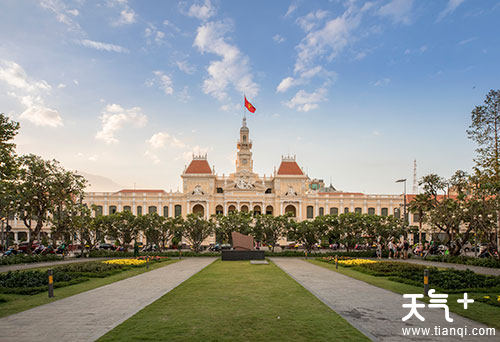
(415, 184)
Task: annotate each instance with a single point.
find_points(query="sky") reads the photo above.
(356, 90)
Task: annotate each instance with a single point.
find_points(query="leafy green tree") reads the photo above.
(123, 228)
(42, 185)
(485, 132)
(350, 227)
(240, 222)
(150, 224)
(420, 205)
(309, 233)
(271, 228)
(9, 169)
(196, 230)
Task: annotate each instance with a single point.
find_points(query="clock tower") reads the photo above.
(244, 162)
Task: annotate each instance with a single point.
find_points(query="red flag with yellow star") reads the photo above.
(249, 106)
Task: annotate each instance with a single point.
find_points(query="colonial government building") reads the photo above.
(288, 190)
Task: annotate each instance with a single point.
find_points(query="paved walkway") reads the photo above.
(476, 269)
(89, 315)
(374, 311)
(16, 267)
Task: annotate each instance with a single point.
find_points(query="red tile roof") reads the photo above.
(289, 168)
(198, 166)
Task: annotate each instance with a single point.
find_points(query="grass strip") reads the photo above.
(237, 301)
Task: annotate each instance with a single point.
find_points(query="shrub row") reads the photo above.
(466, 260)
(448, 280)
(35, 281)
(28, 259)
(114, 254)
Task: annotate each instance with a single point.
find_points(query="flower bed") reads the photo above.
(126, 262)
(29, 282)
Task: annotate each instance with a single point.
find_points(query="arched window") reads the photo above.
(269, 190)
(165, 211)
(257, 210)
(231, 209)
(152, 209)
(199, 210)
(290, 209)
(310, 212)
(139, 210)
(371, 211)
(397, 213)
(346, 210)
(127, 208)
(269, 210)
(220, 190)
(334, 211)
(219, 210)
(385, 212)
(244, 138)
(98, 210)
(112, 209)
(177, 210)
(244, 209)
(357, 210)
(321, 211)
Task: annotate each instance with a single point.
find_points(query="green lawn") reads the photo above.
(480, 312)
(18, 303)
(237, 301)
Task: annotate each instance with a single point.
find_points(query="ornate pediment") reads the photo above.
(291, 192)
(198, 191)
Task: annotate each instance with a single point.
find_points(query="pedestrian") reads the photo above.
(406, 246)
(390, 246)
(379, 250)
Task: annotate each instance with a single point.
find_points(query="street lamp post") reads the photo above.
(405, 218)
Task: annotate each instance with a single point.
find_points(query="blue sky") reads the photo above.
(356, 90)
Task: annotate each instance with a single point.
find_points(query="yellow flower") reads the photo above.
(356, 262)
(126, 262)
(487, 297)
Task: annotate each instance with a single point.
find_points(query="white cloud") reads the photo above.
(201, 11)
(278, 38)
(127, 14)
(382, 82)
(183, 95)
(171, 25)
(158, 140)
(61, 85)
(467, 41)
(114, 117)
(290, 10)
(154, 158)
(328, 41)
(103, 46)
(233, 69)
(285, 84)
(360, 55)
(61, 12)
(185, 67)
(42, 116)
(153, 34)
(398, 10)
(15, 76)
(304, 101)
(451, 6)
(311, 20)
(30, 94)
(161, 140)
(163, 81)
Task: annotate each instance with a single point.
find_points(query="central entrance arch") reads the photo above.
(199, 210)
(290, 209)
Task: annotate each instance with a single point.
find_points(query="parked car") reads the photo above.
(107, 246)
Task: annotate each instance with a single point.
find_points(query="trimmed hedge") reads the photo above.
(30, 282)
(114, 254)
(28, 259)
(447, 280)
(466, 260)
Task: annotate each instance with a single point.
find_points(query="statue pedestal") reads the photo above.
(242, 255)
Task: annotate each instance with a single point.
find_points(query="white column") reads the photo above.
(300, 210)
(281, 208)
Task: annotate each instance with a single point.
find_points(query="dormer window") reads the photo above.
(244, 138)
